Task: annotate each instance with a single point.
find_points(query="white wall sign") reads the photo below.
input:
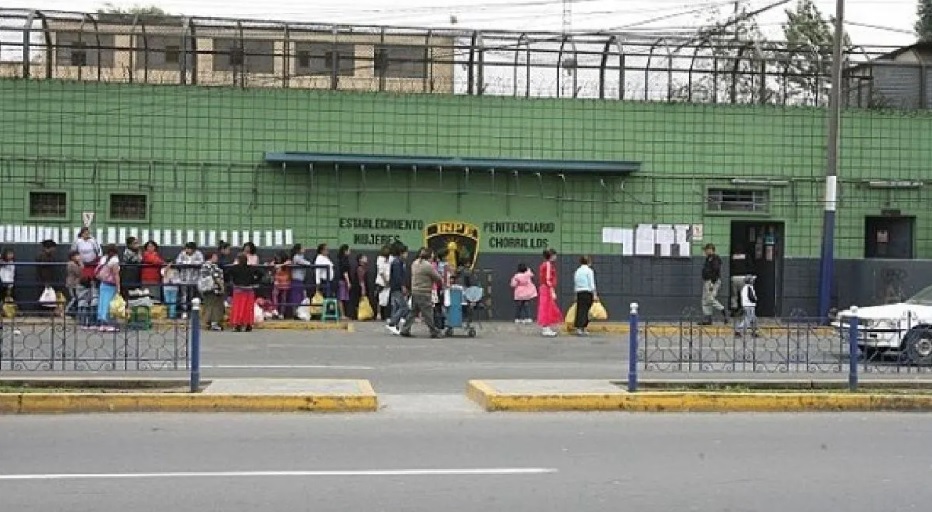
(87, 218)
(652, 240)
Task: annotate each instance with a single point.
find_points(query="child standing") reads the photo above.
(281, 286)
(170, 280)
(749, 304)
(524, 292)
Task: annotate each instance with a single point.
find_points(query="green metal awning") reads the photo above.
(596, 167)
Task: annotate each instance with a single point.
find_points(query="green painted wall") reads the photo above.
(196, 152)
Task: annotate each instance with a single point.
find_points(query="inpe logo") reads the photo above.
(460, 240)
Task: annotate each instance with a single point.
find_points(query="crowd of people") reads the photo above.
(396, 291)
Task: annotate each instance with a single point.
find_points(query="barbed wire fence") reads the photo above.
(673, 67)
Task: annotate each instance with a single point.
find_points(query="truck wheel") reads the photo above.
(918, 345)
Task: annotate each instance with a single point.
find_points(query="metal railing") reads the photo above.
(53, 342)
(795, 345)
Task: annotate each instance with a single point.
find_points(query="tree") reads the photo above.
(808, 56)
(151, 10)
(924, 23)
(727, 62)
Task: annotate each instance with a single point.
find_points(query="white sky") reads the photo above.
(899, 15)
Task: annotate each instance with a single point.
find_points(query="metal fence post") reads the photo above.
(853, 352)
(633, 349)
(195, 345)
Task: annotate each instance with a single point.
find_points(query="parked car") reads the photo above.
(904, 327)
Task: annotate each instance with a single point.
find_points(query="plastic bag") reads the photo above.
(158, 312)
(571, 315)
(258, 314)
(384, 297)
(9, 308)
(118, 308)
(317, 304)
(48, 298)
(598, 312)
(365, 310)
(303, 312)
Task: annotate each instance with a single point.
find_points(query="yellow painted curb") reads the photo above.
(64, 403)
(490, 400)
(297, 325)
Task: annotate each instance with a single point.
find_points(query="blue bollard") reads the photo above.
(633, 349)
(195, 345)
(853, 350)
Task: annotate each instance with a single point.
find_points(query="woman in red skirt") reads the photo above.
(548, 311)
(245, 280)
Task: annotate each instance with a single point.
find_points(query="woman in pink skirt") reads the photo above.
(548, 312)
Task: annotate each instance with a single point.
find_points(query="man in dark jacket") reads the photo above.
(711, 282)
(398, 289)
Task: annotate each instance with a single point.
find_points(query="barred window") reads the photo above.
(77, 49)
(737, 200)
(321, 58)
(400, 61)
(128, 207)
(48, 205)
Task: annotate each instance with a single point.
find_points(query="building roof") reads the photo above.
(595, 167)
(921, 48)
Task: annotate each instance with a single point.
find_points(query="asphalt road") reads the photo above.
(425, 461)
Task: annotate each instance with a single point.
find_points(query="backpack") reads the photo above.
(104, 272)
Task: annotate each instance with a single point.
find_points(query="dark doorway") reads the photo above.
(889, 237)
(757, 249)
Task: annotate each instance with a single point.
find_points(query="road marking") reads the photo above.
(251, 474)
(284, 367)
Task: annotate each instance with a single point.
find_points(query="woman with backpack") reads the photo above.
(108, 274)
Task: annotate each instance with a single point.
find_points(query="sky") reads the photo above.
(896, 16)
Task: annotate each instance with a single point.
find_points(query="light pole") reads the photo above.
(827, 261)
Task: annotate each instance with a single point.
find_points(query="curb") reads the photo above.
(489, 399)
(85, 403)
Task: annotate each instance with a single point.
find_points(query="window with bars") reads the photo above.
(322, 58)
(48, 205)
(85, 49)
(78, 54)
(738, 200)
(246, 55)
(400, 61)
(129, 207)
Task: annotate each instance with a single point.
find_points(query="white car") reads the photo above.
(904, 327)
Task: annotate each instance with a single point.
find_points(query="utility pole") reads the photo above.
(827, 261)
(567, 16)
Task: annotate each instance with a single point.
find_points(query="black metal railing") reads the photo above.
(53, 342)
(794, 345)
